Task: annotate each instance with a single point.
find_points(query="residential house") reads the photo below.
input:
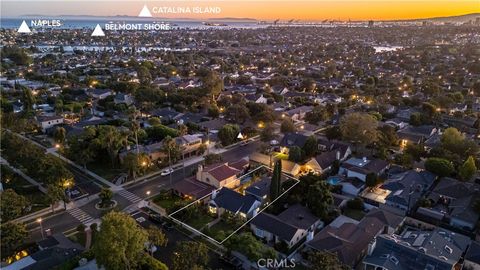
(100, 93)
(397, 123)
(414, 249)
(227, 200)
(218, 175)
(261, 99)
(166, 114)
(403, 190)
(292, 139)
(324, 161)
(298, 114)
(153, 151)
(350, 185)
(191, 188)
(291, 227)
(360, 168)
(472, 257)
(416, 134)
(189, 143)
(52, 252)
(453, 201)
(260, 189)
(348, 240)
(46, 122)
(122, 98)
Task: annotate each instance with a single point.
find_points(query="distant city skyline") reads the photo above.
(306, 10)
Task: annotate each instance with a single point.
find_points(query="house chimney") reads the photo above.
(310, 235)
(214, 194)
(371, 247)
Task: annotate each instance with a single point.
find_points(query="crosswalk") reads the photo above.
(81, 215)
(129, 196)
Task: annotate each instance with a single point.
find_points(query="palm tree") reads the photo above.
(135, 126)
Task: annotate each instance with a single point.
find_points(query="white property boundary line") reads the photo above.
(245, 223)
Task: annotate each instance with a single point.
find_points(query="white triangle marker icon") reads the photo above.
(145, 12)
(98, 32)
(24, 28)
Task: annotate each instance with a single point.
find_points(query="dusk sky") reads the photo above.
(267, 9)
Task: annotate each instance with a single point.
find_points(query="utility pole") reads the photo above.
(183, 163)
(170, 162)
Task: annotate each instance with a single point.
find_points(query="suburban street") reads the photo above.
(127, 198)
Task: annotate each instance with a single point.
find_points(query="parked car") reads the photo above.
(166, 172)
(156, 218)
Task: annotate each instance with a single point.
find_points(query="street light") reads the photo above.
(39, 220)
(148, 192)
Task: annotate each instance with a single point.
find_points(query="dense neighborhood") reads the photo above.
(339, 147)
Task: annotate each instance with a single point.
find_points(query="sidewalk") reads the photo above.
(26, 177)
(177, 166)
(112, 186)
(53, 151)
(81, 202)
(42, 213)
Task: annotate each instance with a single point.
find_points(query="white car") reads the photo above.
(166, 172)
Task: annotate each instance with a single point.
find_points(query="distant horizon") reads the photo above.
(303, 10)
(220, 18)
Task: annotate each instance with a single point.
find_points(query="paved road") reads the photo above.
(127, 197)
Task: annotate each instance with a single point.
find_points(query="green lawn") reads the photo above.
(354, 213)
(199, 219)
(11, 180)
(79, 237)
(105, 170)
(169, 202)
(223, 228)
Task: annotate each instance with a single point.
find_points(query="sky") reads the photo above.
(306, 10)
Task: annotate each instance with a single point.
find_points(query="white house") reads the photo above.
(46, 122)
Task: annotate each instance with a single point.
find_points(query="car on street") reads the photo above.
(166, 172)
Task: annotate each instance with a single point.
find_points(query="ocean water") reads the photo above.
(91, 22)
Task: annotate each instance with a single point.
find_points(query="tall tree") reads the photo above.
(228, 134)
(190, 255)
(468, 169)
(310, 147)
(439, 166)
(359, 128)
(324, 260)
(319, 199)
(111, 140)
(14, 235)
(28, 99)
(55, 193)
(60, 134)
(213, 83)
(13, 205)
(156, 238)
(296, 154)
(275, 183)
(120, 242)
(171, 149)
(287, 126)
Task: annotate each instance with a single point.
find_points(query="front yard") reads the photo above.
(170, 202)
